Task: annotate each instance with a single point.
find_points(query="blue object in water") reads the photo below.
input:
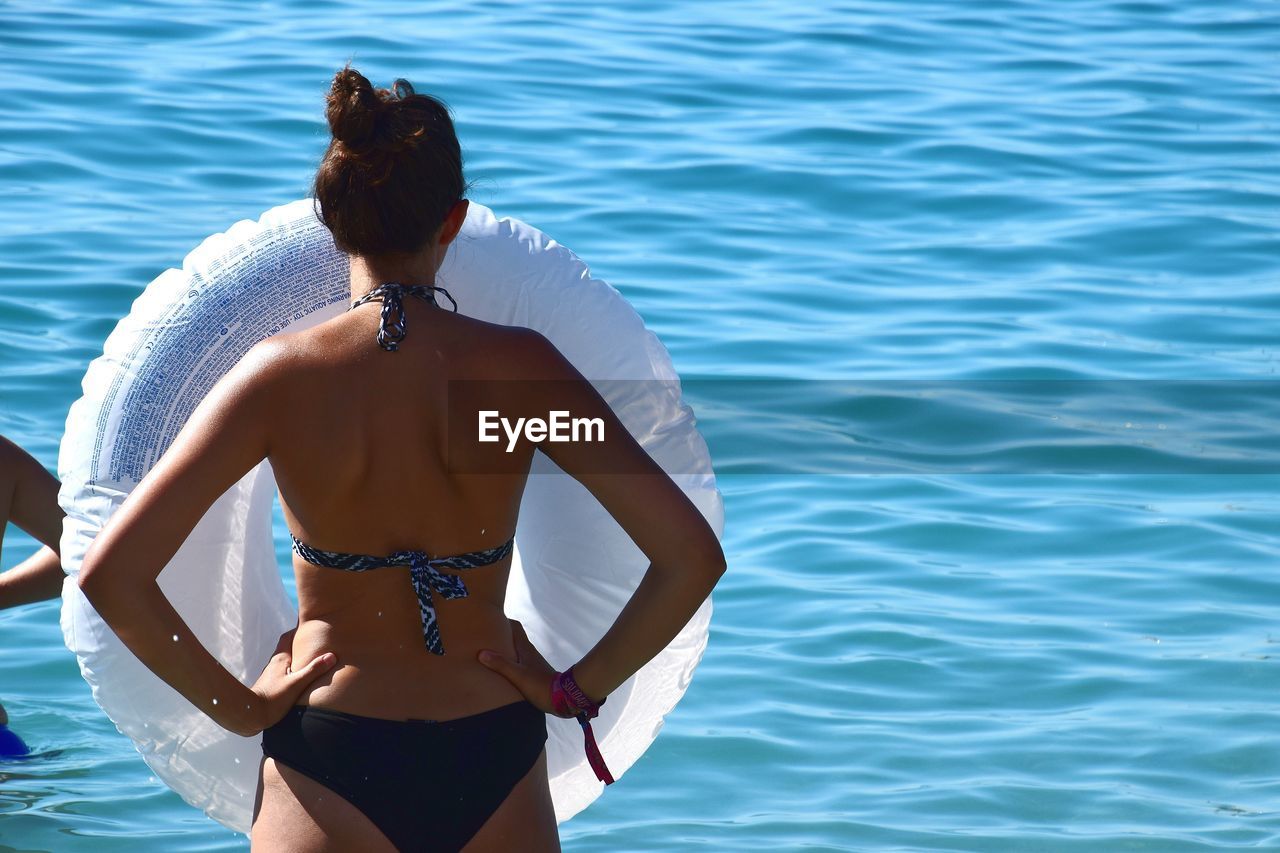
(11, 746)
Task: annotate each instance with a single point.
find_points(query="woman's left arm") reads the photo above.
(226, 436)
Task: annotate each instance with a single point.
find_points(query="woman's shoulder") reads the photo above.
(478, 347)
(513, 352)
(272, 356)
(260, 370)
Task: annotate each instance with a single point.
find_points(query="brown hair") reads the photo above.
(393, 169)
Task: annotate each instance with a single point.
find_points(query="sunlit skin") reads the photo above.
(29, 498)
(356, 438)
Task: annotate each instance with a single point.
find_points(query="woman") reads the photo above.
(415, 718)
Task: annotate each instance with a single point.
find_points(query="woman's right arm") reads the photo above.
(686, 560)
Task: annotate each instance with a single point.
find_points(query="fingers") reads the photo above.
(285, 643)
(299, 679)
(317, 667)
(282, 657)
(504, 666)
(520, 641)
(526, 652)
(534, 686)
(277, 666)
(293, 681)
(279, 687)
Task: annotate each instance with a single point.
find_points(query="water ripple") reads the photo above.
(908, 652)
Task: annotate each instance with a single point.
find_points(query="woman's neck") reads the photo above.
(368, 273)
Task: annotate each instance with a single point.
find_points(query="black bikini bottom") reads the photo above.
(428, 785)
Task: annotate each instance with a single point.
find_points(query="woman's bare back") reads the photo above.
(394, 478)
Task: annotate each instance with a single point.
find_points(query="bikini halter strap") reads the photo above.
(392, 328)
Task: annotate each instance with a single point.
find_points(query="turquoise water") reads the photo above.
(959, 616)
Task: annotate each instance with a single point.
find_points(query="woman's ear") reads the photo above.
(453, 222)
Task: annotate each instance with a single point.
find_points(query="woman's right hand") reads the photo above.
(280, 685)
(529, 672)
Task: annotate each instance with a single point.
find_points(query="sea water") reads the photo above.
(976, 304)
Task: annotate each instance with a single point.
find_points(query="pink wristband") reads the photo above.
(567, 697)
(568, 700)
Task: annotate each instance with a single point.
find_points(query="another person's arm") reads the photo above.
(29, 498)
(226, 436)
(37, 578)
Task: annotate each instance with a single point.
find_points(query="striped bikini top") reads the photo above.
(423, 568)
(423, 572)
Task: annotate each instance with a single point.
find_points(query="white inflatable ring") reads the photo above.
(574, 567)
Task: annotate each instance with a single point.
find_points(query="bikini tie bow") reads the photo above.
(424, 575)
(425, 579)
(393, 324)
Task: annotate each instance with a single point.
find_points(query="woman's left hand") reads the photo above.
(529, 672)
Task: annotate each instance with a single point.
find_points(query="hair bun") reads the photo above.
(392, 173)
(354, 109)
